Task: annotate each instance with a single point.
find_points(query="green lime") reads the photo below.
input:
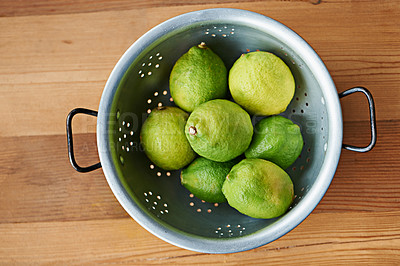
(259, 189)
(204, 178)
(261, 83)
(163, 138)
(276, 139)
(197, 77)
(219, 130)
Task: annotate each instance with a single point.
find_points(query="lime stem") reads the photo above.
(192, 131)
(202, 45)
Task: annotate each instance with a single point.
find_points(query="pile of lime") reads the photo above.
(222, 156)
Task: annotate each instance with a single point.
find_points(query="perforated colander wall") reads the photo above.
(145, 86)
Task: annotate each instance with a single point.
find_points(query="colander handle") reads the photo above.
(371, 119)
(71, 143)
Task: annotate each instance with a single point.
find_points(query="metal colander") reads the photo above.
(139, 82)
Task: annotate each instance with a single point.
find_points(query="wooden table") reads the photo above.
(57, 55)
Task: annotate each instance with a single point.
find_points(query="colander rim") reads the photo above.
(299, 212)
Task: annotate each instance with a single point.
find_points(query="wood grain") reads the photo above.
(57, 55)
(39, 184)
(122, 241)
(50, 190)
(68, 57)
(42, 7)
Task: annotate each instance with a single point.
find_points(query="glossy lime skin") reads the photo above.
(204, 178)
(261, 83)
(276, 139)
(163, 138)
(259, 189)
(197, 77)
(219, 130)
